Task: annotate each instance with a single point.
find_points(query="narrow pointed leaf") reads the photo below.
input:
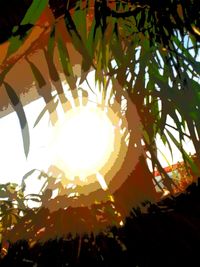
(34, 11)
(37, 74)
(45, 109)
(184, 153)
(17, 106)
(64, 57)
(15, 43)
(26, 176)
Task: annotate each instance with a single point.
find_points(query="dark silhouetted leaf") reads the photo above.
(17, 106)
(184, 153)
(37, 74)
(64, 57)
(26, 176)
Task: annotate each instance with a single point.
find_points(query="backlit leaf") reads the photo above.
(17, 106)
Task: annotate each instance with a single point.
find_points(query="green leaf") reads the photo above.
(15, 43)
(79, 19)
(37, 74)
(34, 11)
(146, 137)
(185, 54)
(51, 42)
(184, 153)
(17, 106)
(77, 41)
(49, 55)
(64, 57)
(90, 39)
(165, 141)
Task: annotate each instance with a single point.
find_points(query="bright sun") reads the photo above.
(84, 142)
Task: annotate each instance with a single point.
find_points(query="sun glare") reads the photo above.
(84, 142)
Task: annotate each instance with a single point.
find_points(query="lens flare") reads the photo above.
(84, 142)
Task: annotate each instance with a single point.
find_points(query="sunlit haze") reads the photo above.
(80, 144)
(83, 142)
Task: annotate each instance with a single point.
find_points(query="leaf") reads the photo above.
(90, 40)
(78, 42)
(79, 19)
(45, 109)
(17, 106)
(4, 73)
(18, 39)
(14, 218)
(51, 42)
(185, 54)
(49, 55)
(33, 197)
(37, 74)
(34, 12)
(64, 57)
(166, 141)
(15, 43)
(156, 162)
(146, 137)
(138, 20)
(26, 176)
(184, 153)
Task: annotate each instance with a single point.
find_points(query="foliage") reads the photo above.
(150, 48)
(159, 54)
(170, 228)
(19, 219)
